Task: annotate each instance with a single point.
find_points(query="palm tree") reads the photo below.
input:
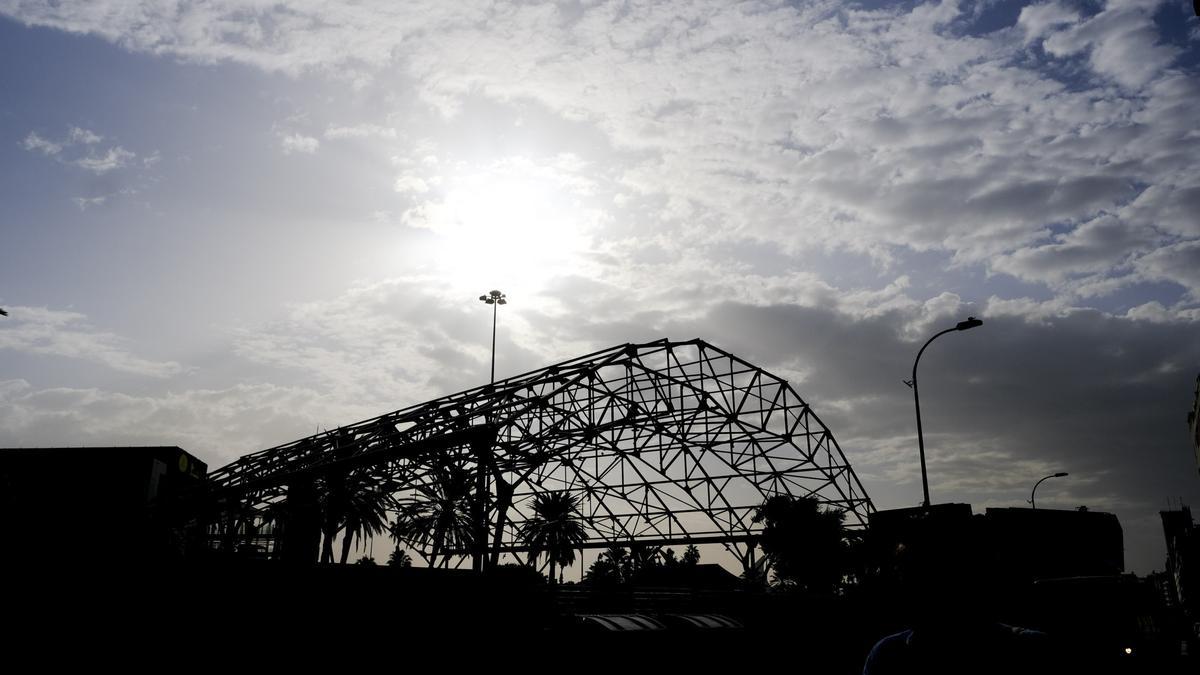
(554, 530)
(365, 515)
(609, 568)
(355, 505)
(438, 517)
(399, 558)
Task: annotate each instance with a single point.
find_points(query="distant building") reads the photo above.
(1183, 555)
(95, 505)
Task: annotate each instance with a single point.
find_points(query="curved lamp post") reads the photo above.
(494, 298)
(1033, 495)
(971, 322)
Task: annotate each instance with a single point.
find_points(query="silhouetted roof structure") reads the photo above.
(662, 442)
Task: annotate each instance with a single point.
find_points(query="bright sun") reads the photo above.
(516, 225)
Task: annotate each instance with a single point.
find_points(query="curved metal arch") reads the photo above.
(662, 442)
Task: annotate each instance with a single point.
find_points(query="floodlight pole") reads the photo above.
(484, 457)
(971, 322)
(494, 298)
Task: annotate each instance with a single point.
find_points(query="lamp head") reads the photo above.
(1061, 474)
(971, 322)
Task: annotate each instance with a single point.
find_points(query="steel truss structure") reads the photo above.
(662, 443)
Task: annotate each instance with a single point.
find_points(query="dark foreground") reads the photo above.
(260, 614)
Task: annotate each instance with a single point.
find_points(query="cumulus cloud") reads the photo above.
(50, 332)
(1179, 263)
(1122, 43)
(298, 143)
(1095, 247)
(1039, 19)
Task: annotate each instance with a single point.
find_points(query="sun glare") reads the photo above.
(517, 225)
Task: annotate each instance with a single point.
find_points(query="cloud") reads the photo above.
(35, 143)
(1155, 312)
(84, 136)
(85, 157)
(48, 332)
(114, 158)
(1040, 19)
(84, 203)
(360, 131)
(816, 127)
(1178, 263)
(385, 344)
(217, 424)
(298, 143)
(408, 183)
(1122, 43)
(1096, 246)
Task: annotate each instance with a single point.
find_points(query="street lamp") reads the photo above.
(494, 298)
(1033, 495)
(971, 322)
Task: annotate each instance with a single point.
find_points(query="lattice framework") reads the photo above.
(664, 442)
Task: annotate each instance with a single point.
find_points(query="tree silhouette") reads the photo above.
(365, 515)
(609, 568)
(354, 505)
(802, 542)
(438, 517)
(399, 558)
(554, 530)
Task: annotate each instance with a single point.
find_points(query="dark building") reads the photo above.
(893, 527)
(96, 506)
(1183, 554)
(1048, 543)
(1017, 543)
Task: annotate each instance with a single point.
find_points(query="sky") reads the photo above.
(227, 225)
